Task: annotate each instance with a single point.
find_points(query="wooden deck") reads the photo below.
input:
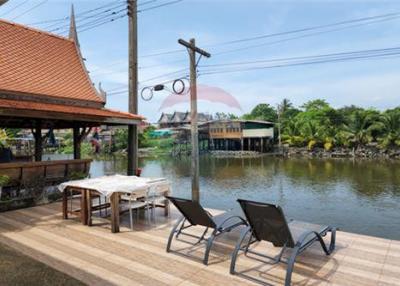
(97, 257)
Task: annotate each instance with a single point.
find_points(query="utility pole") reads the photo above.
(192, 49)
(133, 88)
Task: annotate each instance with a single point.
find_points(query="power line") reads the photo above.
(147, 2)
(306, 29)
(82, 20)
(304, 63)
(83, 24)
(29, 10)
(299, 37)
(371, 51)
(102, 23)
(15, 7)
(159, 6)
(367, 20)
(164, 75)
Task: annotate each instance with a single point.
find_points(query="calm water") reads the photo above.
(357, 196)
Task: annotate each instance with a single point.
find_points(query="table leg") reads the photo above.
(89, 207)
(84, 211)
(166, 208)
(114, 200)
(65, 204)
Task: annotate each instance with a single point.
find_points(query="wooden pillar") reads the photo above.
(65, 204)
(84, 209)
(132, 157)
(89, 207)
(226, 144)
(241, 144)
(114, 201)
(77, 142)
(249, 144)
(38, 141)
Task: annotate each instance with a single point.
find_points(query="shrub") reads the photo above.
(328, 146)
(4, 180)
(311, 144)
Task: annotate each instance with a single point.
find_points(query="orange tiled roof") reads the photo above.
(72, 110)
(40, 63)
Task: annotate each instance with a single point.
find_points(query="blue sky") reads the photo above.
(368, 83)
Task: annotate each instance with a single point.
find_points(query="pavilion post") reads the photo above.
(77, 143)
(38, 141)
(132, 143)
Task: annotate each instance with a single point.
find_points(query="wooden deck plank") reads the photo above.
(97, 257)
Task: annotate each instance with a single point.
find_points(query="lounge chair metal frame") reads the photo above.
(306, 239)
(194, 214)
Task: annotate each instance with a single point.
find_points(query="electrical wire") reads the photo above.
(388, 15)
(304, 63)
(13, 8)
(298, 37)
(159, 6)
(29, 10)
(110, 11)
(101, 23)
(358, 52)
(360, 21)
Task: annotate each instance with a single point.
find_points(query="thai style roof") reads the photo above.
(178, 117)
(201, 117)
(45, 74)
(165, 118)
(42, 64)
(182, 117)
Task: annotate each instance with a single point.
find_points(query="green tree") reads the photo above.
(262, 111)
(223, 115)
(360, 126)
(390, 120)
(315, 104)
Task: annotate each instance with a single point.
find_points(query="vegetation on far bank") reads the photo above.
(313, 124)
(317, 124)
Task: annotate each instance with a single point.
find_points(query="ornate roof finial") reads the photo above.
(102, 93)
(73, 34)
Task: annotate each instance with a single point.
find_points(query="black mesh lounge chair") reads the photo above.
(194, 214)
(267, 223)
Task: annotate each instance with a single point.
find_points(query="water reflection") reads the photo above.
(359, 196)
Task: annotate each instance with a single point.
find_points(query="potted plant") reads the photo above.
(4, 180)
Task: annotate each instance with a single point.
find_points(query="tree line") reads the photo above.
(317, 124)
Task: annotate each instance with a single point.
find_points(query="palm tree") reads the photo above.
(391, 128)
(360, 125)
(284, 106)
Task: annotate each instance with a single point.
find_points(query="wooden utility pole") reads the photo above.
(192, 49)
(133, 88)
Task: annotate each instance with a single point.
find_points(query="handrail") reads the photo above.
(42, 163)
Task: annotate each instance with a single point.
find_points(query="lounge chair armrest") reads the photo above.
(232, 217)
(304, 236)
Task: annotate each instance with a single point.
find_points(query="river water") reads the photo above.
(358, 196)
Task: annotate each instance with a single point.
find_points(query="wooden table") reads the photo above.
(85, 211)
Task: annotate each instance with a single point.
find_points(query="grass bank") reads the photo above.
(19, 269)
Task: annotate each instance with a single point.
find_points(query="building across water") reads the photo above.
(239, 135)
(228, 135)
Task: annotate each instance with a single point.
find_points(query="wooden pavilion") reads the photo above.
(44, 85)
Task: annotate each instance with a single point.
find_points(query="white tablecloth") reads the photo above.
(107, 185)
